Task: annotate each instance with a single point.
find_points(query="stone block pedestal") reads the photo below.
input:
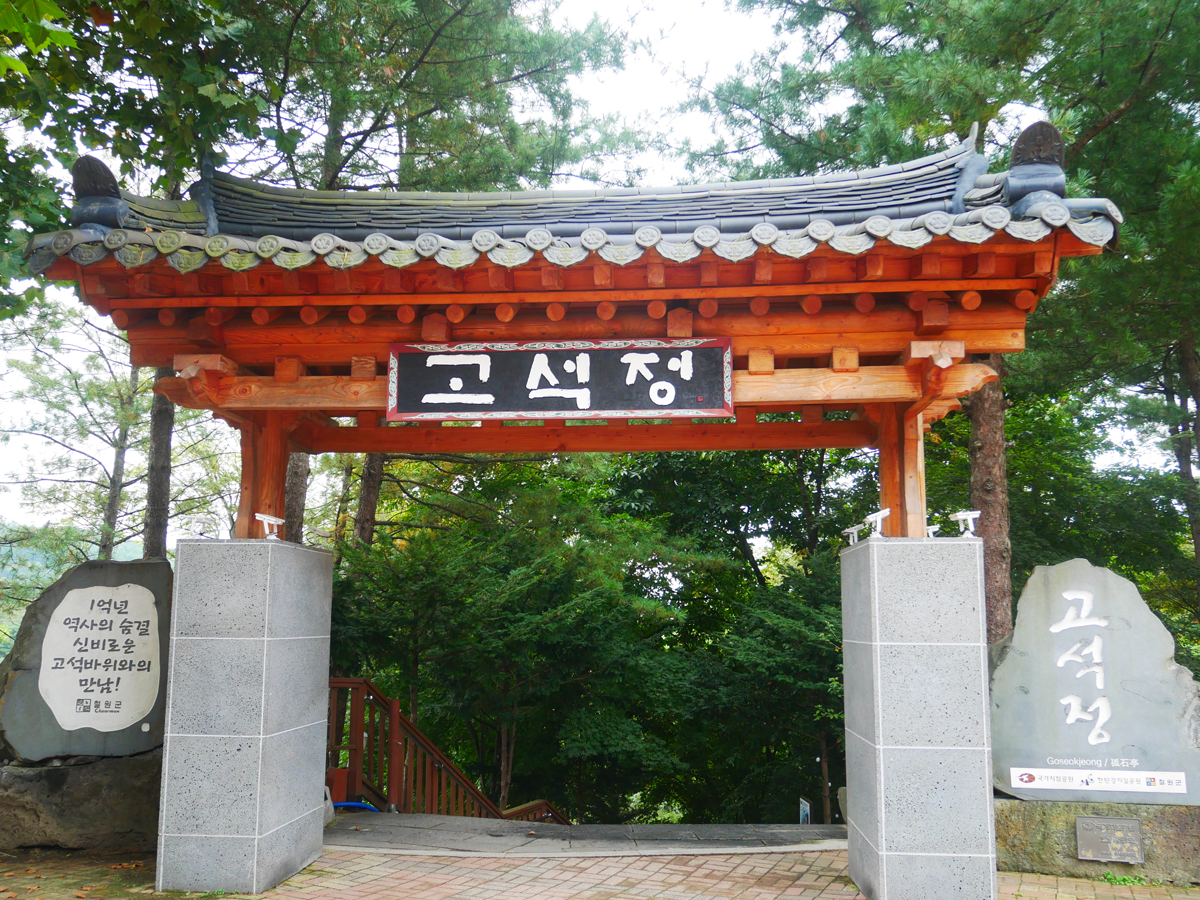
(918, 765)
(244, 754)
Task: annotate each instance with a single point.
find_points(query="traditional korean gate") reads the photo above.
(870, 292)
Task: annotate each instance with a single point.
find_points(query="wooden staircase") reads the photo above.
(391, 764)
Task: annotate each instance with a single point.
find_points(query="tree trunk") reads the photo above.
(1181, 443)
(1185, 436)
(116, 481)
(294, 496)
(743, 545)
(826, 802)
(343, 507)
(331, 149)
(158, 473)
(508, 740)
(412, 688)
(989, 495)
(368, 498)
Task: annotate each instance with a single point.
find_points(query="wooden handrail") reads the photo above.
(394, 765)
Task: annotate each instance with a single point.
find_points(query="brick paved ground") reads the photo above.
(348, 875)
(763, 876)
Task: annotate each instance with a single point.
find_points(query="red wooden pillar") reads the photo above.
(902, 472)
(265, 452)
(244, 526)
(912, 434)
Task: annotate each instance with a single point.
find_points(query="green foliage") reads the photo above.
(158, 85)
(435, 95)
(1110, 878)
(604, 611)
(860, 83)
(72, 397)
(659, 636)
(30, 202)
(1064, 504)
(28, 25)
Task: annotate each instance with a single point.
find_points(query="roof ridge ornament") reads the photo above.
(1039, 144)
(92, 178)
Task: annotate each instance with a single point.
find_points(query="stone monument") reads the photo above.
(82, 701)
(244, 755)
(1092, 717)
(1089, 704)
(918, 769)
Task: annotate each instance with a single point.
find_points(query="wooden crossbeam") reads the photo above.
(335, 352)
(849, 288)
(996, 327)
(787, 387)
(587, 438)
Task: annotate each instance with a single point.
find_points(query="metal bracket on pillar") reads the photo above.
(875, 520)
(852, 532)
(966, 521)
(270, 525)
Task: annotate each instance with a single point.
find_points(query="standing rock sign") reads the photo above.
(86, 674)
(1089, 703)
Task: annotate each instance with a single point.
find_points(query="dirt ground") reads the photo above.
(72, 874)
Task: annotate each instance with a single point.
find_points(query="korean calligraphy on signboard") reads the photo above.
(1100, 710)
(1090, 708)
(100, 658)
(653, 378)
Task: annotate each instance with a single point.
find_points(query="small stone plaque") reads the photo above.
(1109, 839)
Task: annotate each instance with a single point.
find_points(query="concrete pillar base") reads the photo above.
(242, 803)
(918, 763)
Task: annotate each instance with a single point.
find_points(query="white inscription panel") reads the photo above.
(100, 658)
(1099, 780)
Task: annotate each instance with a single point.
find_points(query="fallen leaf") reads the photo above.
(81, 895)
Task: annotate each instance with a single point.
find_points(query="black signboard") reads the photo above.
(1109, 839)
(633, 379)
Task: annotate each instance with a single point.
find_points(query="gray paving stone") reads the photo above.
(391, 832)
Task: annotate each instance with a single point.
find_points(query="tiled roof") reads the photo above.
(243, 222)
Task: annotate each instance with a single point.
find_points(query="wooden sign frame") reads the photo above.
(545, 363)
